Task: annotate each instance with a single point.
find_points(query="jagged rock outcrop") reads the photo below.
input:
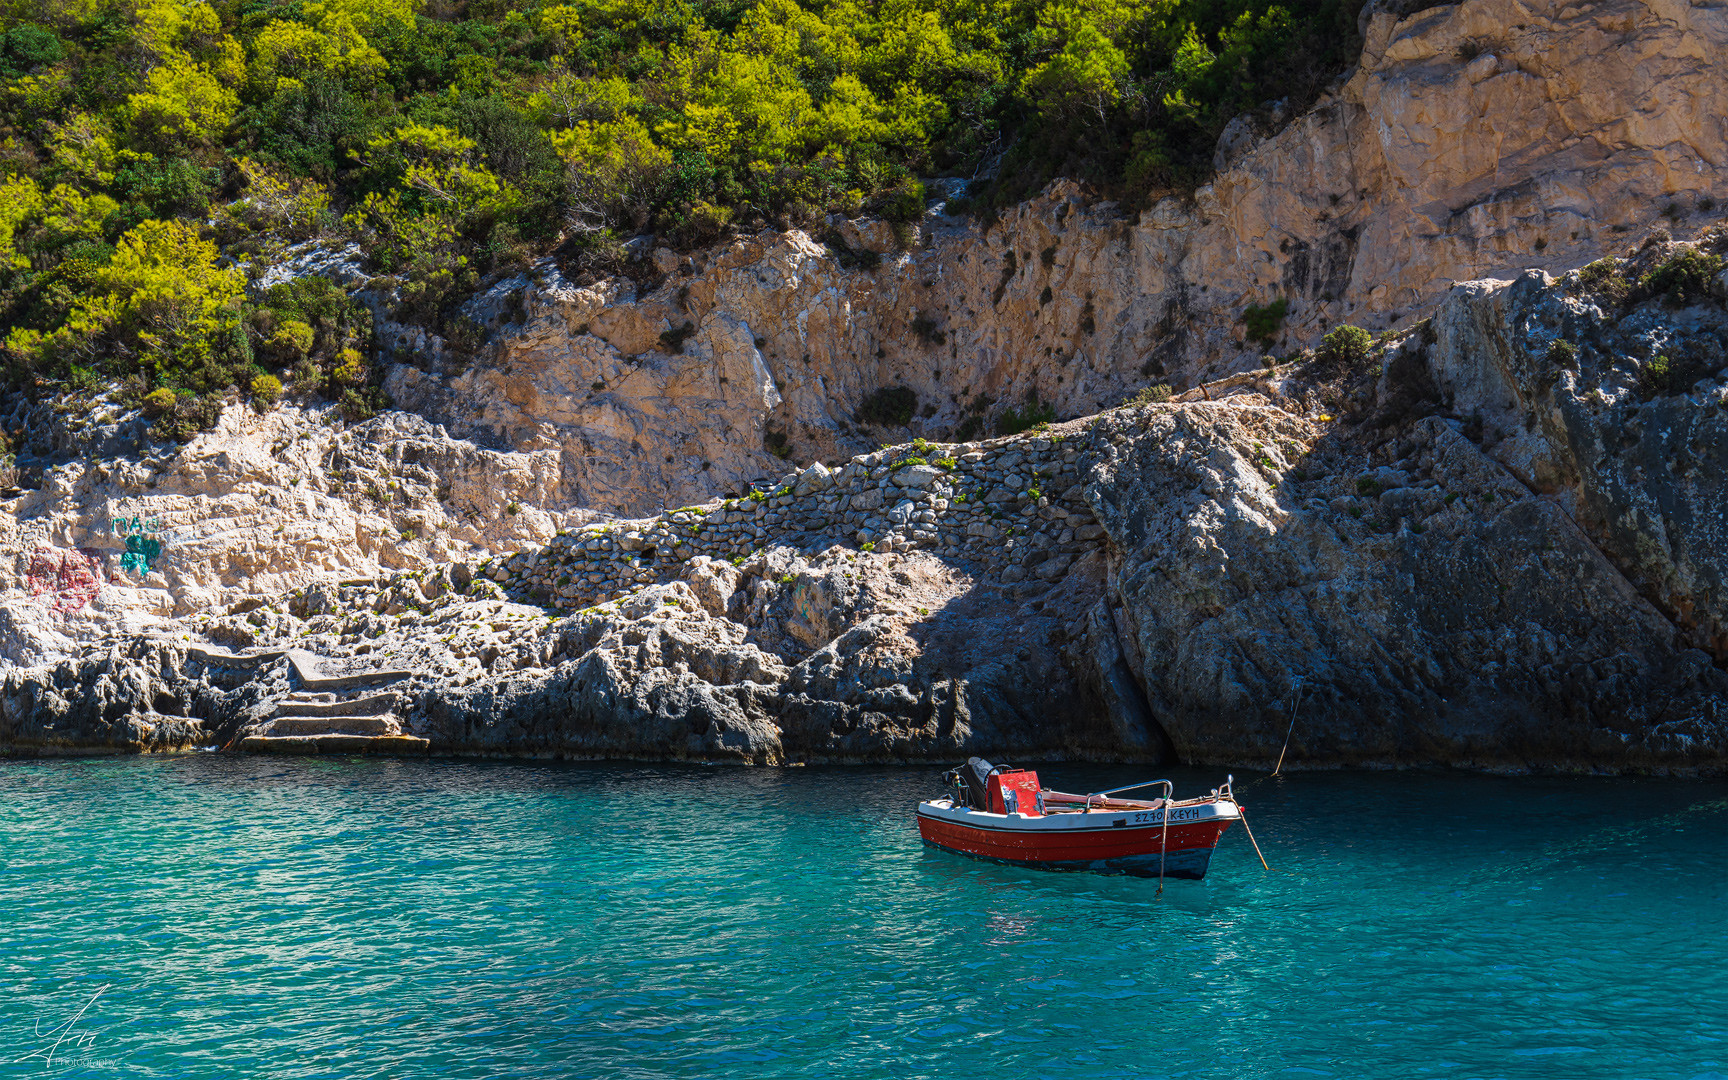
(127, 697)
(1620, 415)
(1432, 609)
(1474, 140)
(789, 657)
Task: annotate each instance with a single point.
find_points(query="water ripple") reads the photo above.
(329, 918)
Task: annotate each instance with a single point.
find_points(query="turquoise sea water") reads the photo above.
(218, 917)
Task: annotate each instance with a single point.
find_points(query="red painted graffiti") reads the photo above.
(69, 578)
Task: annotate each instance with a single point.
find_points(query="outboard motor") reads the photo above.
(970, 782)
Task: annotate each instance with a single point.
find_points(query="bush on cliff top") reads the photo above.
(1683, 279)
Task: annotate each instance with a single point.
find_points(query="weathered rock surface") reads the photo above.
(1454, 617)
(130, 696)
(261, 505)
(1642, 468)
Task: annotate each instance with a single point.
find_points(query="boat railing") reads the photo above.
(1168, 786)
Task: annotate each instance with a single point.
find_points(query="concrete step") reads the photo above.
(327, 705)
(211, 654)
(334, 744)
(379, 724)
(306, 667)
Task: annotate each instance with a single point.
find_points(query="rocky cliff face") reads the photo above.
(1615, 414)
(1451, 615)
(1474, 140)
(1445, 552)
(1494, 541)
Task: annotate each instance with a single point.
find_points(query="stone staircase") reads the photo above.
(320, 722)
(325, 715)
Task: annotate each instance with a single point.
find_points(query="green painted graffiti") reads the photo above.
(143, 549)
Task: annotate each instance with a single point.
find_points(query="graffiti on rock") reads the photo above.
(143, 544)
(69, 578)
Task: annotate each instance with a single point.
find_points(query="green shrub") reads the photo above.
(1604, 279)
(904, 201)
(1151, 395)
(1563, 354)
(187, 416)
(357, 404)
(24, 49)
(290, 342)
(1683, 279)
(1657, 376)
(703, 223)
(891, 406)
(158, 401)
(1264, 323)
(266, 390)
(1346, 346)
(1033, 414)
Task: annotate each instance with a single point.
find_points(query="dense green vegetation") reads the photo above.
(153, 151)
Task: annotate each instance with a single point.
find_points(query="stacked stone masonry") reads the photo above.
(1014, 500)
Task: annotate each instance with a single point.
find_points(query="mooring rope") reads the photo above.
(1163, 845)
(1295, 703)
(1243, 814)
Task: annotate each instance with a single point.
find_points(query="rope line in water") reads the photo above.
(1244, 815)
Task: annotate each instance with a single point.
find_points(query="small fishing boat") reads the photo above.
(1002, 813)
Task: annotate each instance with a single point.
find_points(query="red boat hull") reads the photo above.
(1124, 850)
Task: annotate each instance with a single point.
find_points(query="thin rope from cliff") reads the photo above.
(1295, 704)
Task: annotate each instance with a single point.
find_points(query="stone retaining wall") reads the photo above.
(1015, 501)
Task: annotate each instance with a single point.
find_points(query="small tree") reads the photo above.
(1346, 346)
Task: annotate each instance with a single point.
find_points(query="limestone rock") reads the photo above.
(1473, 140)
(1484, 629)
(259, 506)
(1642, 467)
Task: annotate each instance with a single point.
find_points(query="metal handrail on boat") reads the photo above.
(1169, 791)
